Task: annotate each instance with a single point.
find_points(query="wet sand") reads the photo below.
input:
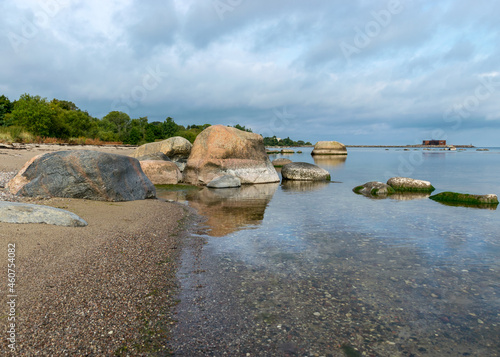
(104, 289)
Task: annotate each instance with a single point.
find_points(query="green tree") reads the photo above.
(80, 123)
(170, 128)
(64, 104)
(120, 120)
(5, 108)
(242, 127)
(154, 131)
(39, 117)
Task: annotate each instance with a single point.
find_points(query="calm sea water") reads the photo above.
(316, 270)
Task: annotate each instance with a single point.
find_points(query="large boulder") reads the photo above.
(405, 184)
(329, 148)
(221, 150)
(84, 174)
(374, 188)
(161, 172)
(176, 149)
(303, 171)
(14, 212)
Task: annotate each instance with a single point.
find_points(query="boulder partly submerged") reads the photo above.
(374, 188)
(220, 150)
(329, 148)
(464, 198)
(405, 184)
(83, 174)
(226, 181)
(281, 162)
(21, 213)
(303, 171)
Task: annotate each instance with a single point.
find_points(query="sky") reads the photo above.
(391, 72)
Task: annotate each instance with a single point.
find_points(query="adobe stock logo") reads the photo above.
(150, 82)
(364, 36)
(221, 7)
(29, 29)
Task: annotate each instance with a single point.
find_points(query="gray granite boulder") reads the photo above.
(83, 174)
(226, 181)
(303, 171)
(405, 184)
(14, 212)
(374, 188)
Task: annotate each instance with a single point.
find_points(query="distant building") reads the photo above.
(434, 142)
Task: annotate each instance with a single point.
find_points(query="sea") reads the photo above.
(313, 269)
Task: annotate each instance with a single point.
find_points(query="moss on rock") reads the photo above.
(465, 198)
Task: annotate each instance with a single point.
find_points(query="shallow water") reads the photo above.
(316, 270)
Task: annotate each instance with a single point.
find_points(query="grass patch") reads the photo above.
(454, 197)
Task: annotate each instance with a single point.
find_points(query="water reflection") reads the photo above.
(230, 210)
(399, 196)
(303, 186)
(329, 160)
(491, 207)
(409, 196)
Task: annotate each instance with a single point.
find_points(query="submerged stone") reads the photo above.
(374, 188)
(454, 197)
(226, 181)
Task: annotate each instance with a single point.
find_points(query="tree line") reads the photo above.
(39, 118)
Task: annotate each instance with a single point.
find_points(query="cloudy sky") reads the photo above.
(357, 71)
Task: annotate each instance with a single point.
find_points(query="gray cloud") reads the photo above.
(253, 59)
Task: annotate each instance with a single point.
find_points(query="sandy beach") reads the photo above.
(104, 289)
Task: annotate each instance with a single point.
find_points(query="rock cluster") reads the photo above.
(176, 148)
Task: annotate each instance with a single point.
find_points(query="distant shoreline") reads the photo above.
(380, 146)
(409, 146)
